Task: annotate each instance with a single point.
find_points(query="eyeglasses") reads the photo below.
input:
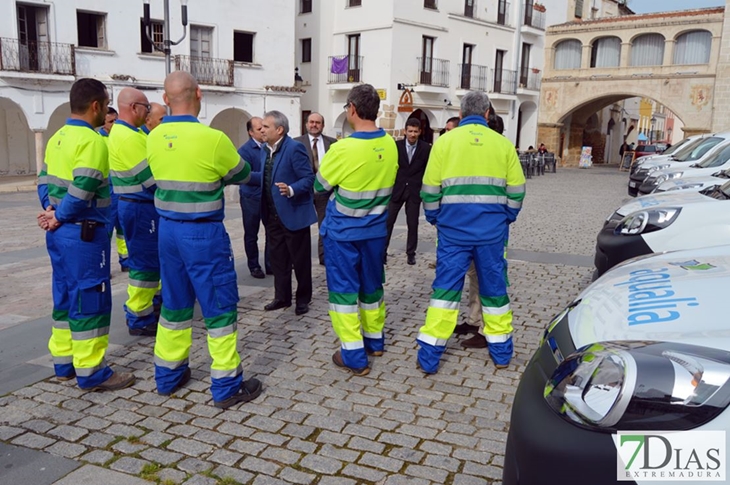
(347, 106)
(145, 105)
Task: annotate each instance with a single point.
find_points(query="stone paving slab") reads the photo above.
(315, 423)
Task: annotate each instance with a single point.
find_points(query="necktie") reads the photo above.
(315, 154)
(411, 149)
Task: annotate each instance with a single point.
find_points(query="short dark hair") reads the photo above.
(249, 126)
(366, 101)
(111, 111)
(495, 122)
(413, 122)
(84, 92)
(454, 119)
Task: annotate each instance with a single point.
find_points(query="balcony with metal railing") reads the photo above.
(207, 70)
(473, 77)
(503, 81)
(433, 72)
(529, 79)
(37, 57)
(345, 69)
(534, 18)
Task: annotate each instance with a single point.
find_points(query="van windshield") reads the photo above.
(720, 157)
(698, 151)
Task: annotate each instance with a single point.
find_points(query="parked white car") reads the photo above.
(691, 152)
(717, 161)
(669, 221)
(645, 348)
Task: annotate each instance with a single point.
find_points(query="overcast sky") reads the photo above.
(644, 6)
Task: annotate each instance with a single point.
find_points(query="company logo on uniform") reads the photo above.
(694, 265)
(650, 456)
(651, 298)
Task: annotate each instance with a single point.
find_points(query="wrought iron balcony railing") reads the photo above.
(473, 77)
(345, 69)
(504, 81)
(40, 57)
(529, 79)
(534, 18)
(207, 70)
(434, 72)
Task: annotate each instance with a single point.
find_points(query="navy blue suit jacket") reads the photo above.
(292, 167)
(251, 152)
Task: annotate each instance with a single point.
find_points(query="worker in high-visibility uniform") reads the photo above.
(472, 190)
(114, 225)
(191, 164)
(74, 191)
(133, 182)
(361, 171)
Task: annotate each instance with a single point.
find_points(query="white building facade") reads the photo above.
(239, 50)
(422, 56)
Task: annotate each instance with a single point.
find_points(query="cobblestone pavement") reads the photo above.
(314, 423)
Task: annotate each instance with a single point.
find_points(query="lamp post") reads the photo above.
(166, 42)
(651, 133)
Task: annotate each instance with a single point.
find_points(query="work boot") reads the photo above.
(118, 380)
(249, 390)
(337, 360)
(183, 380)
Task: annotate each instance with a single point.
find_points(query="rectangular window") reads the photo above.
(466, 56)
(91, 29)
(427, 59)
(200, 41)
(579, 9)
(431, 4)
(469, 8)
(353, 58)
(156, 35)
(243, 46)
(305, 6)
(306, 50)
(525, 64)
(354, 3)
(305, 115)
(498, 67)
(502, 12)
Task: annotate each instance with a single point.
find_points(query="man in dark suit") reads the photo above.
(412, 159)
(317, 145)
(252, 151)
(287, 210)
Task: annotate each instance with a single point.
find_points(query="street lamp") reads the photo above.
(166, 42)
(651, 133)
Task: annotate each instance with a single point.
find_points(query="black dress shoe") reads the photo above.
(301, 309)
(258, 274)
(465, 329)
(276, 305)
(148, 331)
(475, 342)
(411, 259)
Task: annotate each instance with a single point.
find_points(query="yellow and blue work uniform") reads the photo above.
(191, 164)
(114, 224)
(133, 183)
(361, 171)
(74, 180)
(472, 190)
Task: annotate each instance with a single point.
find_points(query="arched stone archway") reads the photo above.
(232, 122)
(58, 119)
(17, 141)
(343, 129)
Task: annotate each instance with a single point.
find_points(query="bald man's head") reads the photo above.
(154, 118)
(133, 106)
(182, 93)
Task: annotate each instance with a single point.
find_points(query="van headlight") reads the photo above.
(635, 385)
(647, 221)
(658, 167)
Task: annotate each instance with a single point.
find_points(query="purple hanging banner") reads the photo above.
(339, 66)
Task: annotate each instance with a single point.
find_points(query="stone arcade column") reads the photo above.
(549, 134)
(720, 113)
(40, 146)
